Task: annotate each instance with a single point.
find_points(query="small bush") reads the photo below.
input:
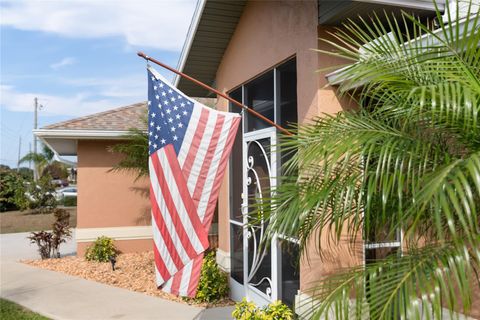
(49, 242)
(213, 284)
(70, 201)
(102, 249)
(276, 310)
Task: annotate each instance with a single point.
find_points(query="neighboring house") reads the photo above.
(108, 203)
(262, 53)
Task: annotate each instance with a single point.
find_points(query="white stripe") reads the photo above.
(166, 217)
(212, 172)
(159, 278)
(189, 134)
(187, 272)
(168, 286)
(201, 152)
(162, 249)
(179, 205)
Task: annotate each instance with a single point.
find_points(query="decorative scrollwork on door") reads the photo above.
(258, 181)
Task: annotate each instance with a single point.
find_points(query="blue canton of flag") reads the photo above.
(168, 117)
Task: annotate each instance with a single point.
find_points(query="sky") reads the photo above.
(79, 57)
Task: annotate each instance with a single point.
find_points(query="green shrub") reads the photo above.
(102, 249)
(213, 284)
(245, 310)
(276, 310)
(70, 201)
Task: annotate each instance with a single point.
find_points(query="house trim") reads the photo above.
(116, 233)
(79, 134)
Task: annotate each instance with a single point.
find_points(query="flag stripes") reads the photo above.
(189, 145)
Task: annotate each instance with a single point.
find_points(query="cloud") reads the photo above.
(62, 63)
(94, 96)
(156, 24)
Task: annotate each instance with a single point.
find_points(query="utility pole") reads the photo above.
(30, 151)
(19, 150)
(35, 125)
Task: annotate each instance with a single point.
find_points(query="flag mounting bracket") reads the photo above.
(223, 95)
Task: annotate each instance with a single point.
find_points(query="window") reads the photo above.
(274, 95)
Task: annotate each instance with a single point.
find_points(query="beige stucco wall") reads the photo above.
(108, 199)
(268, 33)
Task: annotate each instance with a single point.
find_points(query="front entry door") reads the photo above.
(259, 177)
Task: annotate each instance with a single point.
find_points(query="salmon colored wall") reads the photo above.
(121, 245)
(268, 33)
(108, 199)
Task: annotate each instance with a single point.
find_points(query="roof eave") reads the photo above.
(190, 36)
(79, 134)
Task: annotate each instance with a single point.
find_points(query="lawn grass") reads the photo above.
(13, 311)
(26, 221)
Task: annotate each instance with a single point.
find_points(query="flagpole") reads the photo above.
(235, 102)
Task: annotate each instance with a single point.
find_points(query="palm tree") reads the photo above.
(135, 151)
(40, 160)
(408, 159)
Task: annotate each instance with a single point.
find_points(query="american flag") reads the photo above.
(189, 146)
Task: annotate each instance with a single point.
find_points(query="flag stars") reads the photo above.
(153, 114)
(170, 120)
(156, 136)
(149, 102)
(177, 116)
(182, 104)
(164, 93)
(165, 102)
(175, 108)
(185, 113)
(158, 128)
(180, 125)
(172, 129)
(161, 84)
(151, 124)
(163, 141)
(169, 111)
(170, 90)
(155, 145)
(150, 133)
(154, 87)
(157, 97)
(175, 138)
(172, 99)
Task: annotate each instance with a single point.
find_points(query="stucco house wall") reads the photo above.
(109, 202)
(268, 33)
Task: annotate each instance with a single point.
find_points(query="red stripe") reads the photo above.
(167, 197)
(197, 139)
(187, 200)
(212, 202)
(161, 226)
(195, 276)
(208, 160)
(177, 279)
(161, 267)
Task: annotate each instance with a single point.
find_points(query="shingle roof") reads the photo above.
(119, 119)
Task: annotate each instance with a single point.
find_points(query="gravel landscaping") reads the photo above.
(133, 271)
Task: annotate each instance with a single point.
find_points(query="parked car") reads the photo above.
(65, 192)
(60, 183)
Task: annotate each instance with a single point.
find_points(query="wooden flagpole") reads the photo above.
(201, 84)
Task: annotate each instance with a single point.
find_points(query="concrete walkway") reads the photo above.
(60, 296)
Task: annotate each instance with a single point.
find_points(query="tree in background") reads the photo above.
(135, 151)
(40, 160)
(407, 160)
